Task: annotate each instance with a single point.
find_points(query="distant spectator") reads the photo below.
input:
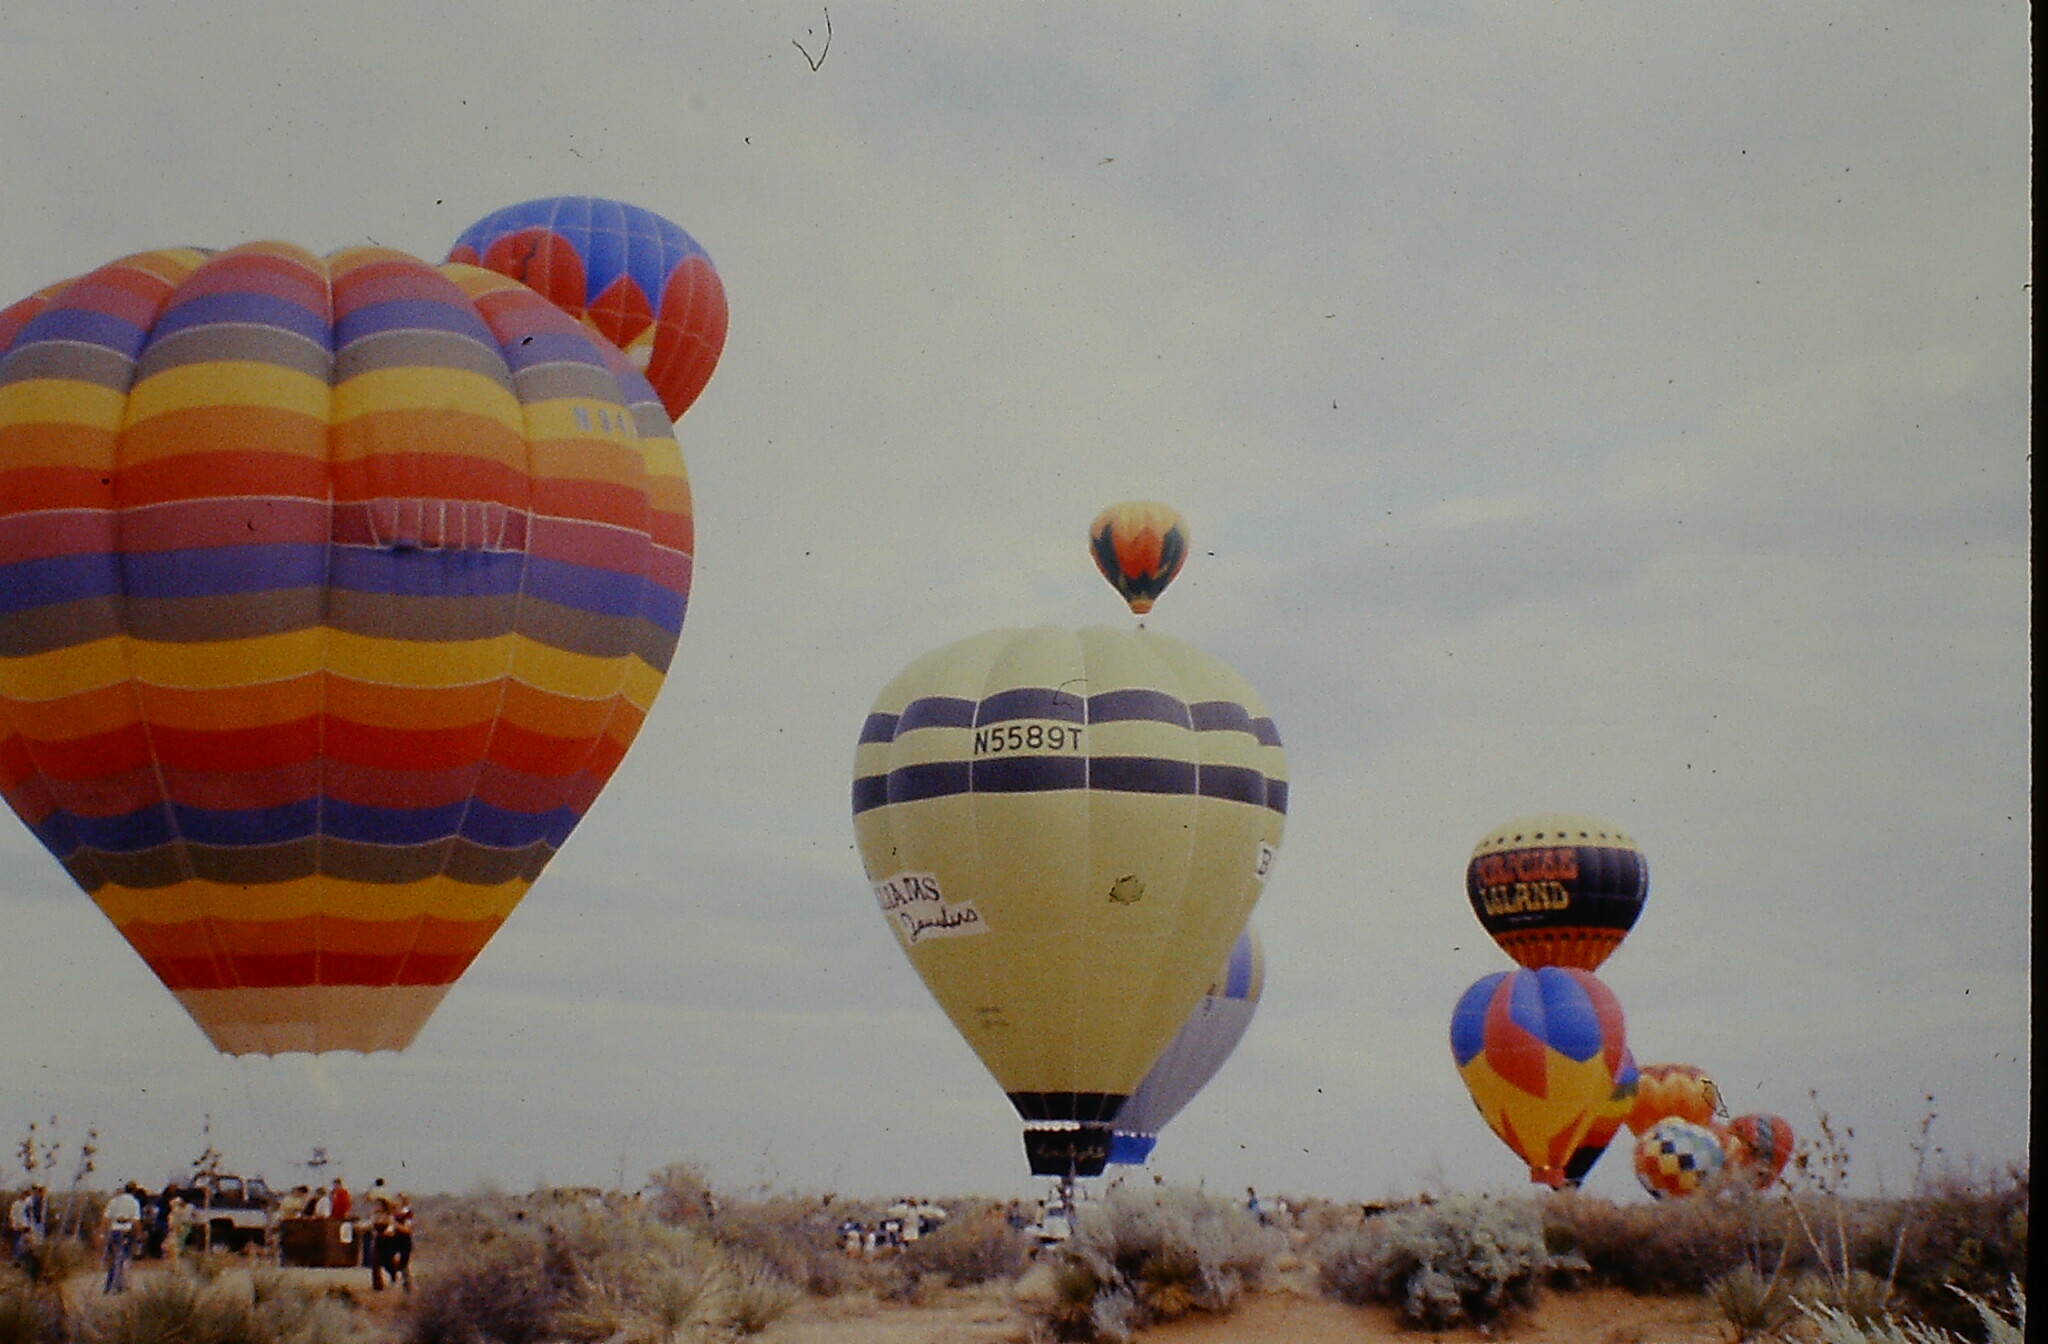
(160, 1222)
(179, 1228)
(27, 1221)
(394, 1247)
(118, 1229)
(339, 1202)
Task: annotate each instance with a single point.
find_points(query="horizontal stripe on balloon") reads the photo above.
(85, 326)
(1035, 702)
(467, 817)
(436, 896)
(64, 359)
(213, 344)
(61, 401)
(407, 314)
(1044, 774)
(245, 309)
(459, 859)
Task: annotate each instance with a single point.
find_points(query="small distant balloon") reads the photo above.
(1557, 890)
(1761, 1146)
(1139, 546)
(1677, 1157)
(635, 278)
(1680, 1090)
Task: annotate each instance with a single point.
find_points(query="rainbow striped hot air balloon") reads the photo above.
(1541, 1052)
(331, 592)
(1139, 546)
(634, 277)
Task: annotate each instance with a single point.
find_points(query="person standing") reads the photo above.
(394, 1247)
(178, 1228)
(339, 1202)
(117, 1227)
(26, 1221)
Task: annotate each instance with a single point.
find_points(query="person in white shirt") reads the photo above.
(119, 1222)
(26, 1220)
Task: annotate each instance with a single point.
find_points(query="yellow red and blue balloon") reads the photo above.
(1139, 545)
(1541, 1052)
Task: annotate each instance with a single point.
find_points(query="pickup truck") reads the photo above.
(236, 1211)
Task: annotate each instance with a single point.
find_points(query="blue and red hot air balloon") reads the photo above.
(637, 279)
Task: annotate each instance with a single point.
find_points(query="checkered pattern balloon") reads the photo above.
(1677, 1157)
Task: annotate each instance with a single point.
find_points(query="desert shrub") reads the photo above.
(1676, 1246)
(1754, 1304)
(558, 1265)
(756, 1297)
(1469, 1258)
(797, 1237)
(1999, 1327)
(27, 1316)
(1141, 1257)
(1962, 1238)
(177, 1308)
(971, 1248)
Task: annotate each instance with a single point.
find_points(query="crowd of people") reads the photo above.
(900, 1226)
(135, 1224)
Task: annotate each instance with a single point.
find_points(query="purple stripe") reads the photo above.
(217, 570)
(412, 315)
(417, 573)
(1029, 774)
(869, 792)
(1266, 731)
(1137, 704)
(937, 779)
(1141, 774)
(936, 711)
(879, 728)
(1219, 716)
(1029, 702)
(261, 310)
(1276, 795)
(85, 326)
(1237, 783)
(554, 347)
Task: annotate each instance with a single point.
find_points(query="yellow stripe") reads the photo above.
(63, 401)
(601, 422)
(229, 662)
(440, 897)
(229, 382)
(62, 672)
(426, 389)
(225, 664)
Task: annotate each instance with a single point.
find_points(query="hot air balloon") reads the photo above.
(1197, 1052)
(1760, 1146)
(637, 279)
(1680, 1090)
(1067, 831)
(1139, 546)
(332, 590)
(1605, 1125)
(1557, 890)
(1541, 1052)
(1676, 1157)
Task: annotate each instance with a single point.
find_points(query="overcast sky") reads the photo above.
(1611, 409)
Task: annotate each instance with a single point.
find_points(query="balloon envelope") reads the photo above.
(331, 592)
(1197, 1052)
(1540, 1051)
(1761, 1146)
(1067, 831)
(638, 279)
(1557, 890)
(1680, 1090)
(1676, 1157)
(1139, 546)
(1606, 1124)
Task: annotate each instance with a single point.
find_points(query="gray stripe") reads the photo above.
(239, 341)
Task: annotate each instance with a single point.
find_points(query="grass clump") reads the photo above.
(177, 1308)
(1836, 1326)
(1468, 1259)
(26, 1315)
(1142, 1257)
(1754, 1304)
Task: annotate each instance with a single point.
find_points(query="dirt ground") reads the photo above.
(1596, 1316)
(991, 1315)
